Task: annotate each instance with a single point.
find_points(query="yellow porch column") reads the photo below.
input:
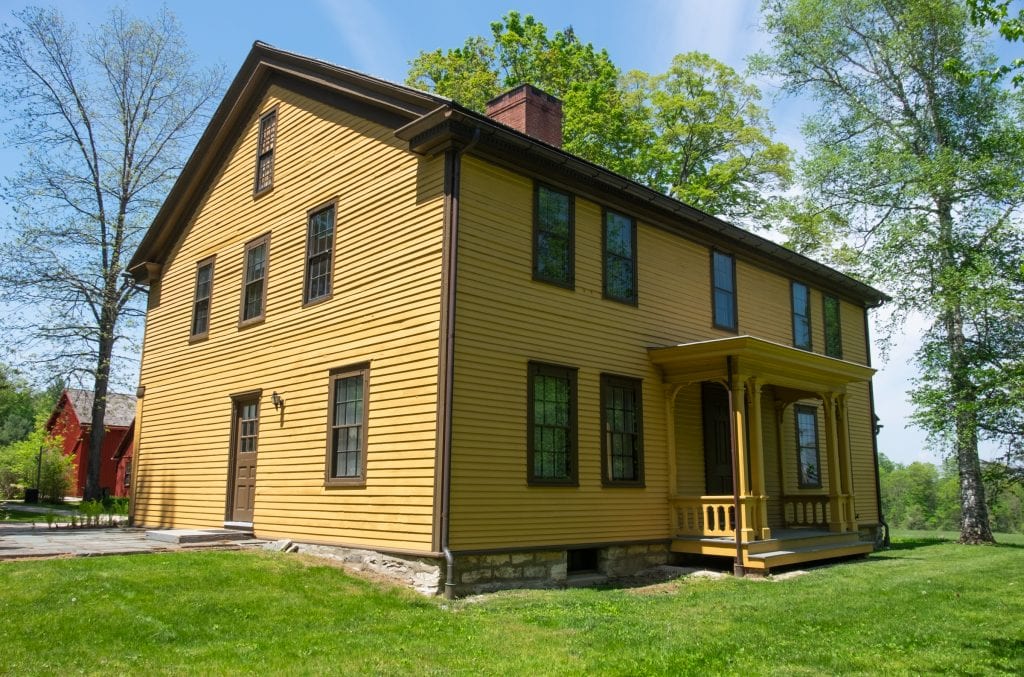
(670, 392)
(739, 416)
(845, 459)
(835, 492)
(760, 517)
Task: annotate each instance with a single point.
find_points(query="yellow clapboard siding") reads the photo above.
(385, 310)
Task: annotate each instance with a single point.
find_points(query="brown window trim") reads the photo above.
(735, 327)
(257, 191)
(609, 381)
(793, 284)
(356, 481)
(208, 261)
(557, 370)
(813, 412)
(331, 204)
(571, 282)
(634, 299)
(256, 319)
(839, 324)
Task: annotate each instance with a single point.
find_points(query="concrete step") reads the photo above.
(809, 553)
(182, 536)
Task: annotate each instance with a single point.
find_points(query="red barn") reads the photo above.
(72, 419)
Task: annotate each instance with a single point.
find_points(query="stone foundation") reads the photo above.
(423, 574)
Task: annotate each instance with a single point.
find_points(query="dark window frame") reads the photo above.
(193, 335)
(632, 300)
(127, 482)
(362, 371)
(261, 153)
(806, 315)
(608, 382)
(812, 412)
(735, 322)
(535, 369)
(838, 352)
(244, 321)
(307, 300)
(570, 282)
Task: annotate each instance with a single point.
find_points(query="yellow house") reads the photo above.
(429, 341)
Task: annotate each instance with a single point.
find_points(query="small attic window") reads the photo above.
(265, 152)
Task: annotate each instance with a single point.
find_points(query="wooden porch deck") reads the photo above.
(786, 547)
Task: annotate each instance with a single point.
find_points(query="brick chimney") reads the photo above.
(530, 111)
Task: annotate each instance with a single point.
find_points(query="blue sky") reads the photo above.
(380, 38)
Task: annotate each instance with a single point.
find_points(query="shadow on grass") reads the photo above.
(924, 542)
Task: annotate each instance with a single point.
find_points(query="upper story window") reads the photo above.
(201, 300)
(551, 424)
(622, 422)
(723, 291)
(809, 467)
(254, 279)
(833, 329)
(347, 418)
(265, 151)
(801, 298)
(319, 254)
(619, 257)
(553, 235)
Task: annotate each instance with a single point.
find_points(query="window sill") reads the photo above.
(242, 324)
(552, 483)
(347, 482)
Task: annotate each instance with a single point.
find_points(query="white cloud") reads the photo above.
(368, 37)
(725, 29)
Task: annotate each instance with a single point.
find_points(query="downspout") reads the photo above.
(453, 161)
(737, 567)
(886, 542)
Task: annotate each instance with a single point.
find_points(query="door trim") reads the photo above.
(229, 498)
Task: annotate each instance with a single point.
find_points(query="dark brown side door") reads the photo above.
(717, 448)
(242, 491)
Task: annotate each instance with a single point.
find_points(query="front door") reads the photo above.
(245, 433)
(717, 447)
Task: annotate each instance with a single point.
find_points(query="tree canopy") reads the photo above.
(696, 132)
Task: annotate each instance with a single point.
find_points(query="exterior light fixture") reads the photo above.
(277, 400)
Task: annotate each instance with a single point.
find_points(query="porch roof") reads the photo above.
(772, 362)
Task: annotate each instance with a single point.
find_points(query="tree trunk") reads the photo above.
(105, 349)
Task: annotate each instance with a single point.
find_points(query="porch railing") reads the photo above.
(806, 511)
(708, 516)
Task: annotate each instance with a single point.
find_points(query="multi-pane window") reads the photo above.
(346, 436)
(809, 467)
(833, 329)
(201, 299)
(254, 279)
(127, 473)
(553, 237)
(551, 425)
(619, 257)
(801, 298)
(248, 425)
(723, 290)
(622, 430)
(265, 151)
(319, 253)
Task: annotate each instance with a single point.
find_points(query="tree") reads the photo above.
(103, 120)
(997, 13)
(16, 407)
(917, 172)
(695, 132)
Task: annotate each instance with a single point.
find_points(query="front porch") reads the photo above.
(746, 457)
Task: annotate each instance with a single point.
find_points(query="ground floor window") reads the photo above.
(346, 435)
(808, 460)
(551, 424)
(621, 430)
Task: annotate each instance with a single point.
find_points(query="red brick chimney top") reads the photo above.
(530, 111)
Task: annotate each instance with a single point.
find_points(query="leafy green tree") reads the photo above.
(997, 13)
(696, 132)
(104, 121)
(17, 410)
(919, 173)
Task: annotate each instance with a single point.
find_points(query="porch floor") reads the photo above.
(787, 546)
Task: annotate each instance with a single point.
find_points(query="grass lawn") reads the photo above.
(926, 606)
(15, 515)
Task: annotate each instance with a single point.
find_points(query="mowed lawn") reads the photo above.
(925, 606)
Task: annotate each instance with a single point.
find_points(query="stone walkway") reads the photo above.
(20, 541)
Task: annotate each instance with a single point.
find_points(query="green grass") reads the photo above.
(926, 606)
(15, 515)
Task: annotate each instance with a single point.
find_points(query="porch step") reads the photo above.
(805, 553)
(795, 538)
(181, 536)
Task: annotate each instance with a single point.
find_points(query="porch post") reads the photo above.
(835, 491)
(670, 391)
(760, 516)
(739, 415)
(845, 454)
